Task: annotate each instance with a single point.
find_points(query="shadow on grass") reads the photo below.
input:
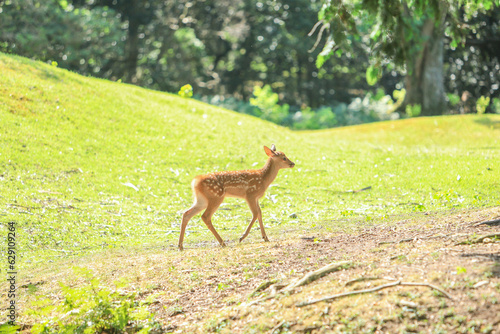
(495, 268)
(488, 122)
(48, 71)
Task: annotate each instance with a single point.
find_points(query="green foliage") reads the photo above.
(471, 66)
(92, 308)
(307, 119)
(53, 31)
(187, 38)
(454, 99)
(267, 105)
(399, 95)
(369, 109)
(6, 328)
(222, 286)
(373, 74)
(393, 27)
(186, 91)
(413, 110)
(373, 107)
(398, 34)
(326, 53)
(496, 105)
(482, 103)
(222, 48)
(448, 197)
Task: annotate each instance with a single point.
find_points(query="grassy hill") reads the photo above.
(88, 166)
(69, 144)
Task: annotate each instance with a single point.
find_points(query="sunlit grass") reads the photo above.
(88, 164)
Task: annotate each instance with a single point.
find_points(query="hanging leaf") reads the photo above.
(326, 53)
(372, 75)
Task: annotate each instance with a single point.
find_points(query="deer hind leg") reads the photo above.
(200, 203)
(256, 214)
(213, 205)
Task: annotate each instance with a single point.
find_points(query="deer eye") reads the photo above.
(284, 159)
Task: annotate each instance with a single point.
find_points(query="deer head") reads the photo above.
(279, 158)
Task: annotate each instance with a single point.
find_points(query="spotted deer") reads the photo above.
(211, 189)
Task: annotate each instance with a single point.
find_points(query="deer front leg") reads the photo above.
(256, 214)
(261, 224)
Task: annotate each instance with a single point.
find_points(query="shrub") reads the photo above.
(307, 119)
(186, 91)
(496, 105)
(267, 105)
(373, 108)
(482, 103)
(92, 309)
(414, 110)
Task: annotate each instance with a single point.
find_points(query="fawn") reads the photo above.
(211, 189)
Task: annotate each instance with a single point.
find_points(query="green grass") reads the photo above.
(70, 143)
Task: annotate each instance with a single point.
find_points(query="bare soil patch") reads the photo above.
(412, 251)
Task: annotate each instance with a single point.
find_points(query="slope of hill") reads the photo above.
(95, 174)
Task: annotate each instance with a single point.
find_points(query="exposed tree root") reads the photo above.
(278, 326)
(430, 236)
(314, 275)
(306, 279)
(262, 286)
(480, 238)
(362, 279)
(380, 287)
(494, 222)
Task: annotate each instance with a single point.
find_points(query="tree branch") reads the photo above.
(320, 34)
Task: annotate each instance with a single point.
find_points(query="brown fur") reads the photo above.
(211, 189)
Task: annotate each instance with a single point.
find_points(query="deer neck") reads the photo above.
(269, 172)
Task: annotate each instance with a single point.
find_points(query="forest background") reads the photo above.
(303, 64)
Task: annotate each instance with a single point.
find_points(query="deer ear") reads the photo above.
(269, 152)
(273, 148)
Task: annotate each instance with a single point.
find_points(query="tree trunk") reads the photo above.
(425, 82)
(132, 50)
(133, 12)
